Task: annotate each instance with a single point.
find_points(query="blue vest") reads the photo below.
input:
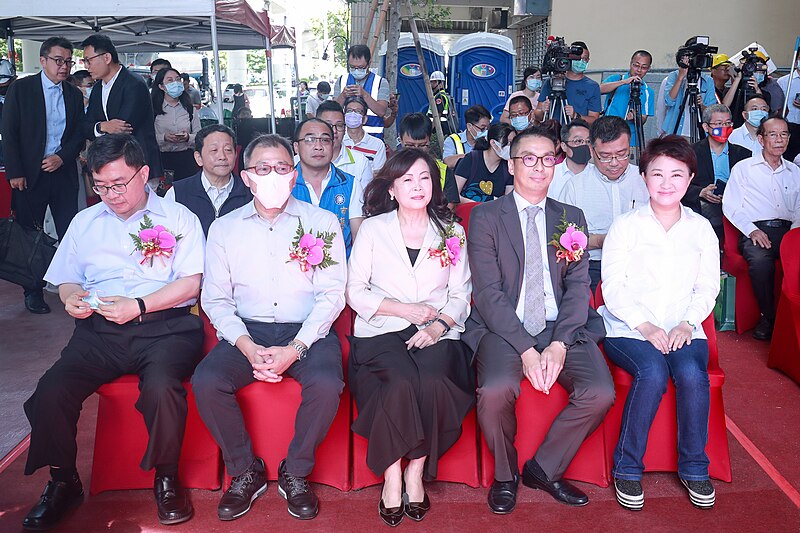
(335, 198)
(374, 125)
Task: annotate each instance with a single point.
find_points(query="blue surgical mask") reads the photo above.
(579, 66)
(756, 116)
(88, 92)
(359, 73)
(520, 123)
(759, 77)
(481, 134)
(174, 88)
(533, 84)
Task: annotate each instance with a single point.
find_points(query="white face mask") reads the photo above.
(504, 152)
(271, 190)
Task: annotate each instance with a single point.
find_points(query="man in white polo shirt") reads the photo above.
(607, 189)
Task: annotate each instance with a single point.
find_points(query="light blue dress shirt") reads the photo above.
(56, 114)
(98, 252)
(705, 86)
(722, 168)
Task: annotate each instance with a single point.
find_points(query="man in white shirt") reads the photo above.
(131, 303)
(608, 188)
(356, 139)
(321, 184)
(313, 102)
(350, 161)
(214, 191)
(755, 110)
(272, 307)
(575, 143)
(762, 200)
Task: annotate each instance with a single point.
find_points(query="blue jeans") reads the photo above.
(650, 370)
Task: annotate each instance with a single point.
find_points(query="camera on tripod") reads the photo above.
(636, 89)
(558, 57)
(696, 53)
(753, 62)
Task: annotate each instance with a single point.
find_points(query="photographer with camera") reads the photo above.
(746, 83)
(566, 66)
(723, 71)
(692, 58)
(623, 89)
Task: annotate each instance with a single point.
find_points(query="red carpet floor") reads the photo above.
(761, 402)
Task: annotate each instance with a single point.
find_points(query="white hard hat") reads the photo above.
(437, 75)
(6, 70)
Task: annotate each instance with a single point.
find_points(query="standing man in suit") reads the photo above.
(531, 318)
(715, 159)
(42, 140)
(121, 103)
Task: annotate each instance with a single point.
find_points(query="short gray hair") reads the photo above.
(269, 140)
(715, 108)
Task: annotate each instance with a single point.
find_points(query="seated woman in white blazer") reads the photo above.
(409, 283)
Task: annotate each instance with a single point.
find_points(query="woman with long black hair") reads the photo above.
(176, 123)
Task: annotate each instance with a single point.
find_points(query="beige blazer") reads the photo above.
(379, 268)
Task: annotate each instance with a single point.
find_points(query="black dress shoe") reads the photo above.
(503, 496)
(763, 330)
(301, 500)
(416, 510)
(244, 490)
(58, 498)
(35, 303)
(172, 501)
(391, 516)
(563, 491)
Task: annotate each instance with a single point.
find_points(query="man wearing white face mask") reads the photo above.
(344, 158)
(755, 110)
(483, 175)
(356, 139)
(294, 290)
(457, 145)
(368, 85)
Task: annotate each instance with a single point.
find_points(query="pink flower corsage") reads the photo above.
(311, 251)
(449, 250)
(154, 241)
(570, 241)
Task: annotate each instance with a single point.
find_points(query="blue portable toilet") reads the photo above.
(481, 71)
(410, 85)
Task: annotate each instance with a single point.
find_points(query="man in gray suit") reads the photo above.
(531, 318)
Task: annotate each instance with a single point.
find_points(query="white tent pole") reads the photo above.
(268, 51)
(218, 72)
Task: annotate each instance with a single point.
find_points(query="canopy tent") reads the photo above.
(143, 25)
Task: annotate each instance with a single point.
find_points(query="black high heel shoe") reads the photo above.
(416, 510)
(391, 516)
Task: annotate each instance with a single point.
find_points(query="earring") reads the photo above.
(391, 197)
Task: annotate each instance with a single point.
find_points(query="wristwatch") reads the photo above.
(302, 351)
(564, 345)
(443, 323)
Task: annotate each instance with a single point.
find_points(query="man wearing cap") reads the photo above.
(722, 71)
(443, 102)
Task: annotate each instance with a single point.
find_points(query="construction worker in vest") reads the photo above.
(444, 104)
(415, 132)
(457, 145)
(361, 82)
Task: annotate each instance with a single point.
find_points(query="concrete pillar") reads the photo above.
(30, 56)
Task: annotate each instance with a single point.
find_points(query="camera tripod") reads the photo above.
(635, 107)
(690, 96)
(558, 98)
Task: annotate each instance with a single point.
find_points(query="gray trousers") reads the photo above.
(586, 378)
(226, 370)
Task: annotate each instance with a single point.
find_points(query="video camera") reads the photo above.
(558, 57)
(635, 89)
(753, 62)
(698, 53)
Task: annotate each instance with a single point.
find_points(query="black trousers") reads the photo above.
(586, 378)
(761, 262)
(713, 213)
(595, 274)
(794, 141)
(181, 163)
(57, 189)
(226, 370)
(163, 354)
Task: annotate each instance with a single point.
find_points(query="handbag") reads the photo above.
(25, 253)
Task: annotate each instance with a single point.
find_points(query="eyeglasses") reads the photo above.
(421, 146)
(609, 159)
(478, 127)
(721, 124)
(60, 61)
(324, 140)
(89, 59)
(577, 142)
(775, 135)
(119, 188)
(262, 169)
(337, 127)
(531, 160)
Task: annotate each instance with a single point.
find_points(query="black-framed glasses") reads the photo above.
(262, 169)
(119, 188)
(725, 124)
(530, 160)
(60, 61)
(574, 143)
(421, 146)
(89, 59)
(337, 127)
(610, 158)
(324, 140)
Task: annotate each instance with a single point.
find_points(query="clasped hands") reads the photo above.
(542, 369)
(117, 309)
(665, 342)
(268, 362)
(419, 314)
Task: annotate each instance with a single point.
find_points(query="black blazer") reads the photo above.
(497, 261)
(190, 192)
(24, 129)
(129, 100)
(705, 170)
